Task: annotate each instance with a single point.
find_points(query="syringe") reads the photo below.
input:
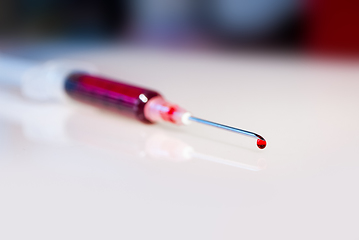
(78, 81)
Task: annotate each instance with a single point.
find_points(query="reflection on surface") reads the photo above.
(65, 124)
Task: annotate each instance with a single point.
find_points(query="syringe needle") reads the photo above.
(261, 142)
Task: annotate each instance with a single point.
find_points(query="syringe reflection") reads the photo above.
(60, 124)
(127, 137)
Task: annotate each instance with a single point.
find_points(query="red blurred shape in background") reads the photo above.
(334, 27)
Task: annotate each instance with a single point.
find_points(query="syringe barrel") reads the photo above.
(110, 94)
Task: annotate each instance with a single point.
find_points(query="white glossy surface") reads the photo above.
(69, 171)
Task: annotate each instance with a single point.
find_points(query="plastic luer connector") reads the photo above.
(146, 105)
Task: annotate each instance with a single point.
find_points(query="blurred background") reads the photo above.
(317, 27)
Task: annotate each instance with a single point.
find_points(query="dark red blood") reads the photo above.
(261, 143)
(109, 93)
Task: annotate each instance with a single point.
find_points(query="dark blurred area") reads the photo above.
(324, 27)
(55, 18)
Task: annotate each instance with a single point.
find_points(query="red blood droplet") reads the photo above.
(261, 143)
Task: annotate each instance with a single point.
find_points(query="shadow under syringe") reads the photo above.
(63, 124)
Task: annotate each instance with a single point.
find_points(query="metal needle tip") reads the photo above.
(261, 142)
